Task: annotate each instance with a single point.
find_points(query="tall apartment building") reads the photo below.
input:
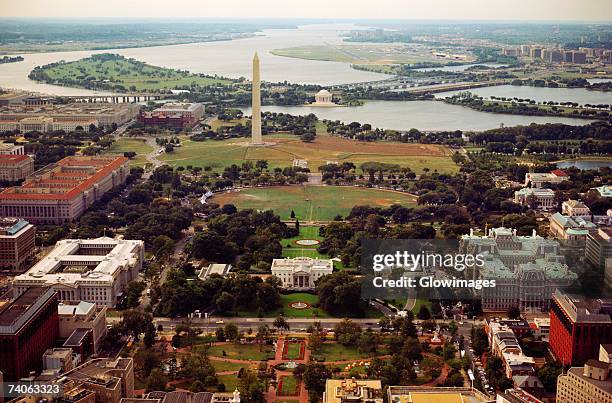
(14, 168)
(535, 53)
(577, 327)
(63, 191)
(590, 383)
(28, 327)
(17, 242)
(93, 270)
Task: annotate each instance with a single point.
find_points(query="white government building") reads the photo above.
(300, 273)
(93, 270)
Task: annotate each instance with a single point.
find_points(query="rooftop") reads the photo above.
(10, 226)
(10, 159)
(16, 313)
(65, 180)
(580, 309)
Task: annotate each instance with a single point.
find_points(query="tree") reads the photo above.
(135, 322)
(347, 332)
(156, 381)
(250, 387)
(314, 377)
(548, 374)
(149, 336)
(307, 137)
(263, 335)
(514, 312)
(134, 291)
(231, 331)
(424, 313)
(225, 302)
(220, 334)
(281, 323)
(315, 340)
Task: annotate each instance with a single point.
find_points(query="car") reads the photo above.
(219, 322)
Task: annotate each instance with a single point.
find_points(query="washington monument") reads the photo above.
(256, 119)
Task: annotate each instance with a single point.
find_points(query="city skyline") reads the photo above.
(522, 10)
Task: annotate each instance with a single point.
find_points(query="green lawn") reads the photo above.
(312, 203)
(224, 366)
(337, 352)
(293, 350)
(230, 382)
(288, 312)
(138, 146)
(289, 386)
(242, 351)
(218, 154)
(114, 72)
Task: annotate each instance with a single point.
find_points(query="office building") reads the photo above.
(11, 149)
(434, 394)
(527, 269)
(82, 316)
(579, 57)
(110, 379)
(577, 327)
(28, 327)
(47, 117)
(58, 358)
(14, 168)
(575, 208)
(353, 390)
(63, 191)
(92, 270)
(516, 395)
(571, 231)
(17, 243)
(589, 383)
(535, 198)
(301, 273)
(535, 53)
(538, 180)
(174, 115)
(599, 247)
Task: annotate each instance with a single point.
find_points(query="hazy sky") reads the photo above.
(583, 10)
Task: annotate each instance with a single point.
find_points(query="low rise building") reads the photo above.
(110, 379)
(43, 117)
(215, 268)
(17, 242)
(541, 328)
(537, 180)
(93, 270)
(527, 269)
(604, 191)
(10, 148)
(434, 394)
(353, 390)
(174, 115)
(570, 231)
(63, 191)
(82, 315)
(301, 273)
(14, 168)
(575, 208)
(536, 198)
(516, 395)
(589, 383)
(58, 358)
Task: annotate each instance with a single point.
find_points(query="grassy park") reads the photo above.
(138, 146)
(254, 352)
(115, 72)
(286, 148)
(312, 203)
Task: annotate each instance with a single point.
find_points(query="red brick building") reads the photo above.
(578, 327)
(29, 325)
(16, 242)
(173, 115)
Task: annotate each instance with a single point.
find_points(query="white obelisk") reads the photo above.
(256, 120)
